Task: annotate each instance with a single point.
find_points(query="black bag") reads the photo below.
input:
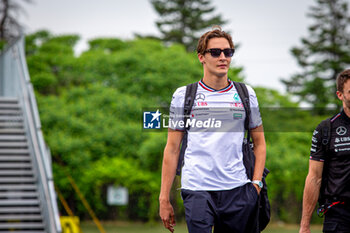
(249, 160)
(190, 96)
(326, 137)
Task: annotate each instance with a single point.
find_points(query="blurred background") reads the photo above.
(95, 66)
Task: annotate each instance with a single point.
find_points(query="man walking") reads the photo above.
(214, 184)
(328, 179)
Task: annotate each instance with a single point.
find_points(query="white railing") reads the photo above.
(15, 82)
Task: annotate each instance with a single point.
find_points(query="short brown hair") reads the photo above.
(216, 32)
(342, 78)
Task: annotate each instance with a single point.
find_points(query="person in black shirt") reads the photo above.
(329, 168)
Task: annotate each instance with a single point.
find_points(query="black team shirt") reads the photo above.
(335, 155)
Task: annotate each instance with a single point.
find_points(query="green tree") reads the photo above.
(324, 53)
(93, 133)
(92, 120)
(91, 109)
(10, 27)
(51, 61)
(182, 21)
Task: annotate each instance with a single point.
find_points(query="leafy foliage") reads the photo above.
(153, 69)
(183, 20)
(51, 61)
(92, 128)
(288, 138)
(324, 53)
(91, 108)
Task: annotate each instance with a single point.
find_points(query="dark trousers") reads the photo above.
(337, 219)
(229, 211)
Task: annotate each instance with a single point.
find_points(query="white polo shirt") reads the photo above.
(213, 158)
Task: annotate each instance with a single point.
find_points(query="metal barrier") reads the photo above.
(15, 82)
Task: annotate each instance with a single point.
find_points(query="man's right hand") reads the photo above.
(166, 213)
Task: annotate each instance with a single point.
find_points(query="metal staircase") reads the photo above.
(27, 197)
(20, 209)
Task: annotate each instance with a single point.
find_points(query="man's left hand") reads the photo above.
(257, 188)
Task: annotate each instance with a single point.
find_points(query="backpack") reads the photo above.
(190, 96)
(264, 209)
(248, 154)
(326, 136)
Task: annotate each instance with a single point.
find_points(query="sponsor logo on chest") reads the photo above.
(342, 139)
(341, 130)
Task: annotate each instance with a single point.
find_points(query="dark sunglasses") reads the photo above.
(217, 52)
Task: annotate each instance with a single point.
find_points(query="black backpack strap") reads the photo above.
(326, 132)
(190, 96)
(326, 136)
(244, 95)
(248, 155)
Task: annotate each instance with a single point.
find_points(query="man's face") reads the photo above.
(345, 95)
(217, 66)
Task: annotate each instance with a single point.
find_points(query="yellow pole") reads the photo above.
(65, 205)
(86, 204)
(82, 198)
(64, 202)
